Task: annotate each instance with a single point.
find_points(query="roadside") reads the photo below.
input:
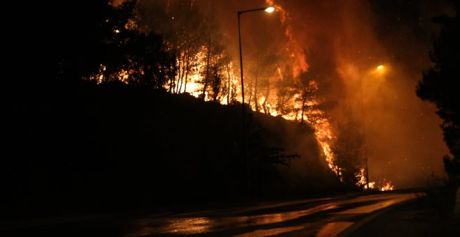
(412, 219)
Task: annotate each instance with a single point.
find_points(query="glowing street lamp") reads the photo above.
(270, 10)
(380, 69)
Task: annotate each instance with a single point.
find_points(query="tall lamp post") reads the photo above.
(379, 71)
(361, 89)
(269, 10)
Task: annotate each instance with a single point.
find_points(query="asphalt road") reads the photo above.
(312, 217)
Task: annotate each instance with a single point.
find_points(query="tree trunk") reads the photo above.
(186, 72)
(186, 80)
(179, 75)
(229, 84)
(256, 85)
(304, 100)
(267, 94)
(183, 71)
(206, 76)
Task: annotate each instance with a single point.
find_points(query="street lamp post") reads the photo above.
(269, 10)
(380, 70)
(365, 153)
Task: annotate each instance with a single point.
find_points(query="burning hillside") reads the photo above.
(320, 63)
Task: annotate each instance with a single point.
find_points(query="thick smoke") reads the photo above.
(344, 42)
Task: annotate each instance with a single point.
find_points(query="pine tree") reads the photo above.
(441, 85)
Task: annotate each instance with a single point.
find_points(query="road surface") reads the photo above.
(313, 217)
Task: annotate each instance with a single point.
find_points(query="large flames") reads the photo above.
(315, 117)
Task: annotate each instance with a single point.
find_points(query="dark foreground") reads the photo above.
(313, 217)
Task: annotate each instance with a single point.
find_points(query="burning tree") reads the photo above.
(213, 70)
(286, 88)
(349, 150)
(308, 89)
(195, 39)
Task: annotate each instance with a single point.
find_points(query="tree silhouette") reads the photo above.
(184, 29)
(440, 85)
(112, 47)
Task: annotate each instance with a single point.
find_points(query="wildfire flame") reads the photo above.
(316, 117)
(361, 177)
(387, 186)
(323, 130)
(293, 48)
(362, 182)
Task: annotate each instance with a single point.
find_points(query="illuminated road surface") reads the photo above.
(321, 217)
(313, 217)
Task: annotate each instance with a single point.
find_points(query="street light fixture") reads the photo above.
(269, 10)
(379, 70)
